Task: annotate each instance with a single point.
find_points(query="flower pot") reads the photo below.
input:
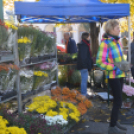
(28, 60)
(45, 57)
(41, 58)
(34, 59)
(127, 104)
(28, 94)
(5, 53)
(9, 94)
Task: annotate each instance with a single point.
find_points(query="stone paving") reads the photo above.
(95, 128)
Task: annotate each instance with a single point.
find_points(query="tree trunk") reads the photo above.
(94, 33)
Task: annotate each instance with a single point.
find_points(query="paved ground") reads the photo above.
(95, 128)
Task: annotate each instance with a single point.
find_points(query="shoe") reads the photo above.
(115, 130)
(120, 126)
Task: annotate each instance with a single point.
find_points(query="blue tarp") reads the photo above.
(69, 11)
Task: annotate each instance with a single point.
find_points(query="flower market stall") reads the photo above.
(74, 11)
(34, 55)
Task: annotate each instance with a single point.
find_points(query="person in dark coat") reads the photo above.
(70, 48)
(84, 61)
(132, 58)
(70, 44)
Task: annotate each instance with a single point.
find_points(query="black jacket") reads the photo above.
(71, 48)
(84, 60)
(132, 53)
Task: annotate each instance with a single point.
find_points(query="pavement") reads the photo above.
(95, 128)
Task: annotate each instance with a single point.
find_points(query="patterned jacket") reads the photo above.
(110, 50)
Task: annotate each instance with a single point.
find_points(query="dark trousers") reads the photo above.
(132, 71)
(116, 86)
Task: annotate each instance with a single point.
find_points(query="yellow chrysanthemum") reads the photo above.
(24, 40)
(40, 73)
(74, 117)
(16, 130)
(64, 109)
(64, 114)
(51, 113)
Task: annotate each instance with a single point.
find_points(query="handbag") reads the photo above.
(123, 65)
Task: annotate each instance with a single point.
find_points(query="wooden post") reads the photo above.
(1, 10)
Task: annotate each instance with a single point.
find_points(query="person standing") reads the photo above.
(70, 44)
(132, 58)
(70, 48)
(111, 51)
(84, 61)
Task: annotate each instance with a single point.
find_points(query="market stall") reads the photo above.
(74, 11)
(68, 103)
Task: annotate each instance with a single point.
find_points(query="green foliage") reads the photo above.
(75, 77)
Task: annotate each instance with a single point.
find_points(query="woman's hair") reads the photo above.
(110, 25)
(85, 35)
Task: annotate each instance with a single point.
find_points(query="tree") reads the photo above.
(124, 23)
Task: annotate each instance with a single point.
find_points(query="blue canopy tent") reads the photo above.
(69, 11)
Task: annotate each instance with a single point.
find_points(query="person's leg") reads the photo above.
(132, 71)
(122, 82)
(84, 78)
(116, 86)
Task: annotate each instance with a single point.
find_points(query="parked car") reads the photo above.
(60, 47)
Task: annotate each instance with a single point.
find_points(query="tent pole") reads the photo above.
(100, 33)
(1, 10)
(129, 46)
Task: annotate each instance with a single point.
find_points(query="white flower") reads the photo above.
(58, 119)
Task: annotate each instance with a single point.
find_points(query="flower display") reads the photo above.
(128, 90)
(57, 91)
(65, 91)
(82, 108)
(9, 25)
(3, 36)
(45, 105)
(40, 73)
(31, 125)
(26, 80)
(8, 73)
(58, 119)
(39, 79)
(80, 97)
(39, 43)
(45, 66)
(24, 48)
(9, 130)
(24, 40)
(73, 96)
(51, 113)
(88, 103)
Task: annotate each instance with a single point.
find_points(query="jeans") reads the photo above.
(84, 79)
(116, 86)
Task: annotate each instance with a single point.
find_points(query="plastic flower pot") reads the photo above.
(34, 59)
(41, 58)
(28, 60)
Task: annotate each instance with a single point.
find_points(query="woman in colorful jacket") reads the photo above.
(110, 51)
